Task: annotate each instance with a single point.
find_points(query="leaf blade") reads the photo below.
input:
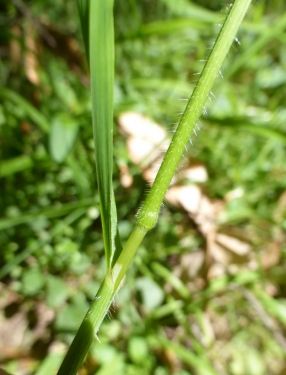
(101, 62)
(83, 10)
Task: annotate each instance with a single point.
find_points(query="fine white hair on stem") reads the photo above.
(96, 337)
(174, 127)
(212, 94)
(194, 81)
(237, 40)
(211, 45)
(91, 302)
(96, 298)
(109, 315)
(205, 112)
(220, 74)
(147, 189)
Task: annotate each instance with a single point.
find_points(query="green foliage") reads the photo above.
(63, 135)
(50, 232)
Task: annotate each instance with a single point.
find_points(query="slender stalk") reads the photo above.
(149, 212)
(126, 256)
(100, 305)
(88, 328)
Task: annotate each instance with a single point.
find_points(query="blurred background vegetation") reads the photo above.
(206, 292)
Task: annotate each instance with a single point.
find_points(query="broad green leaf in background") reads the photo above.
(152, 294)
(14, 165)
(27, 108)
(56, 291)
(69, 318)
(187, 9)
(138, 349)
(32, 281)
(62, 137)
(50, 364)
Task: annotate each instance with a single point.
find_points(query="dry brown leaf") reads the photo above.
(45, 317)
(15, 47)
(271, 289)
(195, 173)
(145, 138)
(233, 244)
(190, 265)
(220, 254)
(216, 270)
(188, 197)
(30, 57)
(270, 256)
(12, 335)
(200, 208)
(234, 194)
(7, 297)
(280, 211)
(125, 177)
(232, 254)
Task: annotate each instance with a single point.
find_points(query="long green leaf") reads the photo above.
(101, 62)
(200, 363)
(83, 10)
(28, 109)
(49, 213)
(14, 165)
(267, 131)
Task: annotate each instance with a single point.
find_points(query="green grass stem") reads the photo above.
(149, 212)
(88, 329)
(100, 305)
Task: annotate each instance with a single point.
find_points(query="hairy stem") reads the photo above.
(88, 328)
(149, 212)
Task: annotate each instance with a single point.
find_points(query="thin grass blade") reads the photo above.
(101, 62)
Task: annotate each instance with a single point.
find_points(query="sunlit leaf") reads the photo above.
(62, 137)
(101, 62)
